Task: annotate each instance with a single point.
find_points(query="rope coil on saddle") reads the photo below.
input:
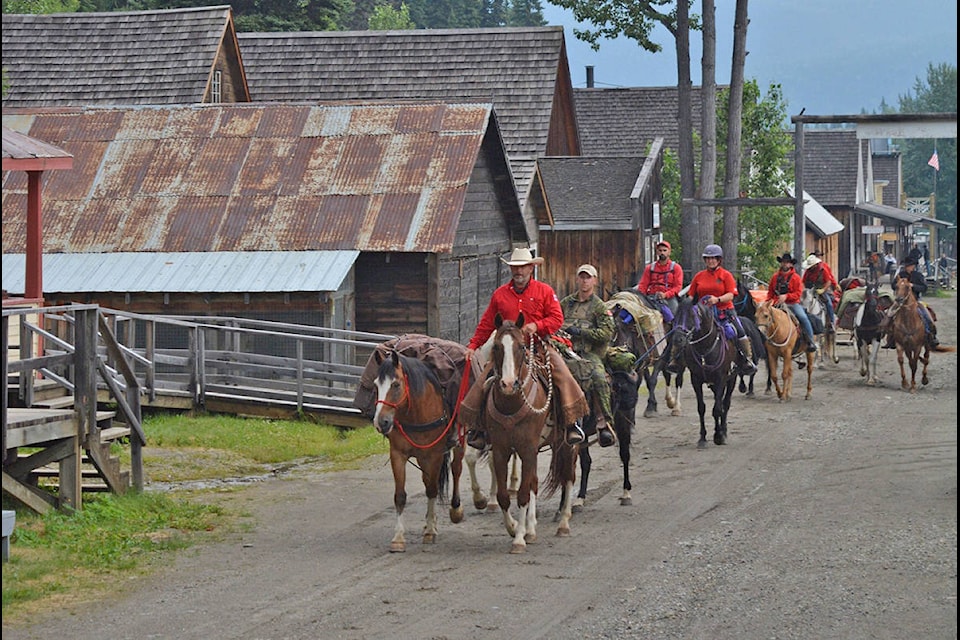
(533, 365)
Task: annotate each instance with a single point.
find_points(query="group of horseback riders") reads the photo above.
(585, 318)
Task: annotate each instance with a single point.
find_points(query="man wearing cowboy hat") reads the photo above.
(542, 317)
(919, 285)
(818, 276)
(785, 289)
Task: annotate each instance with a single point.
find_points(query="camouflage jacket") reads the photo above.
(595, 323)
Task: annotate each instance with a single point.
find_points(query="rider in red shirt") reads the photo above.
(818, 276)
(542, 316)
(715, 286)
(662, 279)
(785, 288)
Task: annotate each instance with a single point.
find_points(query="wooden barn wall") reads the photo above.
(391, 292)
(615, 254)
(468, 276)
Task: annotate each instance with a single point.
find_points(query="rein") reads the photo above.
(531, 365)
(716, 332)
(776, 329)
(419, 428)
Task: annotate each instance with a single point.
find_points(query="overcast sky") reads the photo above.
(832, 57)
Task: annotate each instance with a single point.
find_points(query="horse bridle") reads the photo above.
(716, 331)
(765, 325)
(532, 366)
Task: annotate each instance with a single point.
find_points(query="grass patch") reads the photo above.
(68, 558)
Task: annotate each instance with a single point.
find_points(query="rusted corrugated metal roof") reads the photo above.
(216, 272)
(251, 177)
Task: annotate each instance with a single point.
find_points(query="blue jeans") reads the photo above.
(798, 311)
(827, 302)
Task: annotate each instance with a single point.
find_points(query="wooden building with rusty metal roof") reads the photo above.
(523, 71)
(179, 56)
(389, 218)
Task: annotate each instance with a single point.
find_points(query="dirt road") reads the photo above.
(834, 517)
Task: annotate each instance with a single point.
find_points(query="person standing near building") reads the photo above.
(590, 326)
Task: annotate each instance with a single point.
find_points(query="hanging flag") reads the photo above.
(934, 161)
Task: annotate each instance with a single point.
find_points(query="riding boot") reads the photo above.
(747, 366)
(932, 337)
(811, 344)
(604, 430)
(574, 434)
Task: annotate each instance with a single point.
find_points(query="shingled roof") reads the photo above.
(256, 177)
(625, 122)
(590, 192)
(830, 168)
(522, 71)
(140, 57)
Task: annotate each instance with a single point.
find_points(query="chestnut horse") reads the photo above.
(909, 334)
(783, 339)
(412, 414)
(515, 417)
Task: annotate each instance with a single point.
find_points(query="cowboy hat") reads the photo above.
(910, 260)
(787, 258)
(811, 260)
(521, 256)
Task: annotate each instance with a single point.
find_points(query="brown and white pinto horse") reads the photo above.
(412, 414)
(515, 417)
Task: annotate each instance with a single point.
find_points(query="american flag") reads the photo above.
(934, 161)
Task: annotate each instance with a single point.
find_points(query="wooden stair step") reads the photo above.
(113, 433)
(55, 403)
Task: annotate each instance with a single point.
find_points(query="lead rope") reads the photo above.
(531, 366)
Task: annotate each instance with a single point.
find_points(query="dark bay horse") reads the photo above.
(868, 334)
(515, 416)
(709, 355)
(627, 356)
(412, 414)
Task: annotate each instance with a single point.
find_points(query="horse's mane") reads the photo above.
(417, 372)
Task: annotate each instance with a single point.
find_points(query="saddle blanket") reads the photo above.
(445, 357)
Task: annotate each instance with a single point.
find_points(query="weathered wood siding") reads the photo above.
(616, 255)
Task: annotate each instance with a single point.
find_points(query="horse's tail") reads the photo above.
(562, 469)
(941, 348)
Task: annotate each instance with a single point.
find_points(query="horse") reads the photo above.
(744, 303)
(757, 346)
(783, 339)
(709, 355)
(516, 417)
(823, 331)
(648, 365)
(626, 357)
(412, 414)
(909, 334)
(868, 334)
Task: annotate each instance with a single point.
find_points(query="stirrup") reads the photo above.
(575, 434)
(606, 437)
(477, 439)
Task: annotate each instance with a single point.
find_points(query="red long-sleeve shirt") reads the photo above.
(819, 276)
(666, 279)
(538, 302)
(713, 283)
(793, 284)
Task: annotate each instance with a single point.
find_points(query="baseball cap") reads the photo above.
(587, 268)
(664, 243)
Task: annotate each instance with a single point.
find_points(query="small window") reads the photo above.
(216, 88)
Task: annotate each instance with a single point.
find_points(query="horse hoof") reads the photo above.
(563, 532)
(530, 538)
(480, 505)
(702, 444)
(429, 538)
(676, 412)
(719, 440)
(493, 506)
(518, 547)
(650, 413)
(397, 547)
(626, 501)
(456, 515)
